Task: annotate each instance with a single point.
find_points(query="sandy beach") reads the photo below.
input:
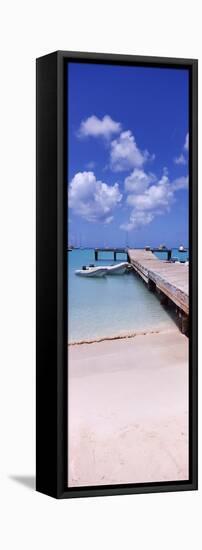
(128, 410)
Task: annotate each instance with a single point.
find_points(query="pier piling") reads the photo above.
(114, 252)
(169, 279)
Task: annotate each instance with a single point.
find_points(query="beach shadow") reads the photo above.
(27, 481)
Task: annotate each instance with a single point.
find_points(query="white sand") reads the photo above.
(128, 410)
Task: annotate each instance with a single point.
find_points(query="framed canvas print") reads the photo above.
(116, 274)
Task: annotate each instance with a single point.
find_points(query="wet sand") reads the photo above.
(128, 410)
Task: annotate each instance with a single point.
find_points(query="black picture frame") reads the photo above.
(51, 275)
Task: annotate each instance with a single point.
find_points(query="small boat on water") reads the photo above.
(91, 271)
(116, 269)
(181, 248)
(100, 271)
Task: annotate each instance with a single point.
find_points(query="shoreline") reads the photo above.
(128, 410)
(124, 335)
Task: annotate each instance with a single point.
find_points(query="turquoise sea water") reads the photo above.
(113, 305)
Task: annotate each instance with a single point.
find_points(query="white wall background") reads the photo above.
(27, 30)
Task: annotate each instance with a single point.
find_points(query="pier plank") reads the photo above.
(172, 279)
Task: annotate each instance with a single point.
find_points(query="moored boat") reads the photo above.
(116, 269)
(91, 271)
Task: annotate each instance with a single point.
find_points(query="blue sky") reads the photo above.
(127, 155)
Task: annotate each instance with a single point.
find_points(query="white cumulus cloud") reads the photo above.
(186, 145)
(155, 197)
(152, 198)
(96, 127)
(125, 153)
(137, 219)
(180, 160)
(180, 183)
(138, 181)
(92, 199)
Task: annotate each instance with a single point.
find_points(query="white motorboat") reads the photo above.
(91, 271)
(116, 269)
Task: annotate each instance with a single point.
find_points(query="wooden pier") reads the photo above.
(166, 251)
(169, 279)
